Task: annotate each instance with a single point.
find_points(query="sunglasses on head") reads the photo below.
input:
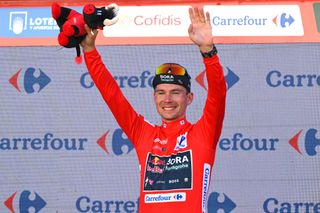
(170, 68)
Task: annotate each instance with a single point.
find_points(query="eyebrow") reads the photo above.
(173, 90)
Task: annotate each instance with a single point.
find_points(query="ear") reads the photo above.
(100, 17)
(55, 10)
(113, 8)
(60, 14)
(189, 98)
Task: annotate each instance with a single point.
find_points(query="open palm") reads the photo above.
(200, 30)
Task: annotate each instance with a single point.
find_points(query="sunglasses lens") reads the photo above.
(173, 69)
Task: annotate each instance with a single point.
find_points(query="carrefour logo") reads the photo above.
(220, 203)
(120, 144)
(239, 142)
(310, 141)
(276, 78)
(22, 202)
(217, 202)
(165, 197)
(273, 205)
(256, 20)
(87, 204)
(230, 77)
(142, 81)
(283, 20)
(31, 80)
(47, 142)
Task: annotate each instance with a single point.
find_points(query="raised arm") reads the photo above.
(127, 118)
(200, 32)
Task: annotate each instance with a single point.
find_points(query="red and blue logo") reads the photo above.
(310, 141)
(231, 78)
(27, 80)
(283, 20)
(24, 203)
(215, 205)
(120, 144)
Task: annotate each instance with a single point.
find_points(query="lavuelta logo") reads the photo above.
(119, 143)
(31, 77)
(231, 79)
(311, 142)
(24, 202)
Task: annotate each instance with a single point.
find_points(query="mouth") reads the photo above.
(169, 108)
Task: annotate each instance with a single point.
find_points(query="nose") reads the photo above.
(168, 98)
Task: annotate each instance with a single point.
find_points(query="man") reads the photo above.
(175, 158)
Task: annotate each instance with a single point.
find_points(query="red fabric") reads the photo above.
(56, 10)
(171, 156)
(63, 39)
(78, 59)
(89, 9)
(68, 29)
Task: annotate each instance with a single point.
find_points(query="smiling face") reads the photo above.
(171, 101)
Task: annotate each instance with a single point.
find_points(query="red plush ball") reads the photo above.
(63, 39)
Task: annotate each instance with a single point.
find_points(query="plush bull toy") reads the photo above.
(71, 23)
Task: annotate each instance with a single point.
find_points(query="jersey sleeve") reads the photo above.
(210, 123)
(129, 121)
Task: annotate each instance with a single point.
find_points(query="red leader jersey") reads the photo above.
(175, 158)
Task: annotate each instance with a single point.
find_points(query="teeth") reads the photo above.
(168, 108)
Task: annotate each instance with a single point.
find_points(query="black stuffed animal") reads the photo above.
(71, 23)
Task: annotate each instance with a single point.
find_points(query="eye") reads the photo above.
(175, 92)
(160, 92)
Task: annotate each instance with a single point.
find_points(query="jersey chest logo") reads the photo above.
(168, 172)
(181, 142)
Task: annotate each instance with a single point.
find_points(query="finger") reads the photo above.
(87, 28)
(208, 19)
(94, 32)
(201, 16)
(190, 29)
(191, 15)
(90, 31)
(197, 16)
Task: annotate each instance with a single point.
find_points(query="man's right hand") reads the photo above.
(88, 44)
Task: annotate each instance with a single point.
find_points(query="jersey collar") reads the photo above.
(174, 124)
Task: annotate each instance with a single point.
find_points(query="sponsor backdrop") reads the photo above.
(232, 22)
(62, 151)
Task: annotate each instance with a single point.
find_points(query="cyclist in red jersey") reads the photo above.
(175, 157)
